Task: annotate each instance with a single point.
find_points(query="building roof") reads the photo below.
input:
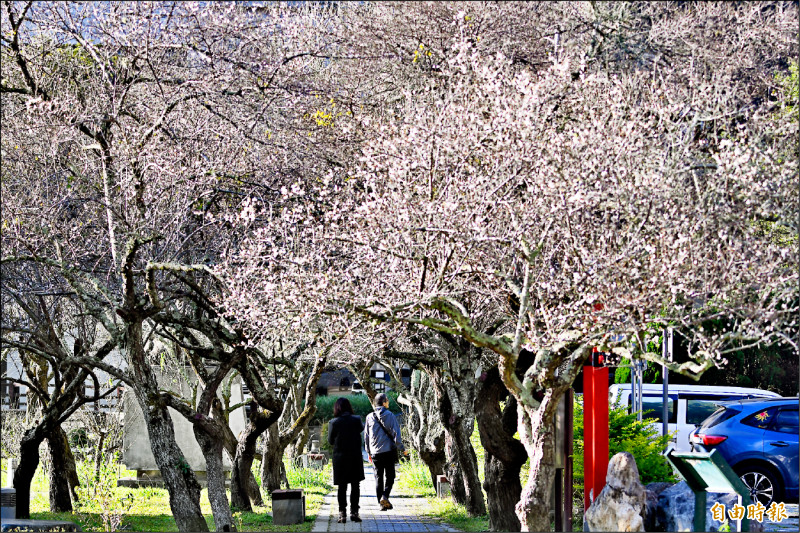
(335, 378)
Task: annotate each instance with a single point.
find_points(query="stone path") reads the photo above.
(404, 517)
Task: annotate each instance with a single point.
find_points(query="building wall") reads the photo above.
(136, 451)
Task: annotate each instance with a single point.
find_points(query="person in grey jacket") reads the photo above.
(382, 442)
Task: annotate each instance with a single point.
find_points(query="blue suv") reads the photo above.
(759, 439)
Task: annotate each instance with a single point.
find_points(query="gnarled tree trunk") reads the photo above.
(453, 471)
(296, 449)
(179, 478)
(245, 492)
(244, 489)
(537, 431)
(459, 426)
(63, 474)
(426, 433)
(435, 461)
(23, 474)
(212, 445)
(273, 472)
(505, 455)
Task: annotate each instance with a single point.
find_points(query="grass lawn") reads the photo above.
(104, 506)
(414, 479)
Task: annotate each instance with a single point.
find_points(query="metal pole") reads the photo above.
(11, 467)
(665, 353)
(559, 503)
(639, 372)
(700, 500)
(634, 389)
(569, 406)
(641, 388)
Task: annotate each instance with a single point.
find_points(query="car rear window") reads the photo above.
(719, 416)
(787, 422)
(699, 410)
(761, 418)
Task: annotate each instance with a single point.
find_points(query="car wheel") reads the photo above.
(763, 484)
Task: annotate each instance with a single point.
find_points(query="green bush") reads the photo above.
(362, 405)
(323, 439)
(625, 434)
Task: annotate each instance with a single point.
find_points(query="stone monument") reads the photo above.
(136, 452)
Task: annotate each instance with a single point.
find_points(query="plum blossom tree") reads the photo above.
(580, 171)
(129, 130)
(602, 194)
(450, 364)
(34, 321)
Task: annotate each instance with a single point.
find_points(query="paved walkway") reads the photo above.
(404, 517)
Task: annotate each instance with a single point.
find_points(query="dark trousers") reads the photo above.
(384, 466)
(355, 494)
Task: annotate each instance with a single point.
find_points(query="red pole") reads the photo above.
(588, 436)
(595, 424)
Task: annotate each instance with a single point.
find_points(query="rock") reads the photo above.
(675, 510)
(620, 505)
(652, 490)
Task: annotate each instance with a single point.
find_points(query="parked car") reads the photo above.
(759, 439)
(688, 405)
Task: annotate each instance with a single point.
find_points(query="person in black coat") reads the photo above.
(344, 433)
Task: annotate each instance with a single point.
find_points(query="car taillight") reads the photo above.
(708, 440)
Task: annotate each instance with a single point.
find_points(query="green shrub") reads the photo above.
(323, 439)
(362, 405)
(625, 434)
(98, 493)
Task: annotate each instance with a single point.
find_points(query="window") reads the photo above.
(699, 410)
(720, 415)
(652, 407)
(787, 422)
(701, 406)
(379, 374)
(761, 418)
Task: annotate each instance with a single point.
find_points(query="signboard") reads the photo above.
(709, 472)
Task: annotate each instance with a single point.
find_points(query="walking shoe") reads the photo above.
(355, 518)
(385, 504)
(342, 518)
